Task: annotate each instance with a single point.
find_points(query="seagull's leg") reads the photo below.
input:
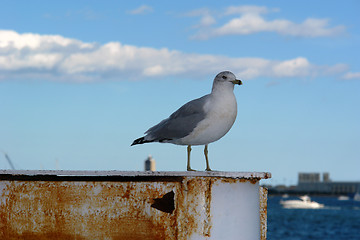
(207, 159)
(188, 160)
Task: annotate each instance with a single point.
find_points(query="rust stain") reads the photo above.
(189, 202)
(237, 180)
(263, 212)
(92, 210)
(193, 208)
(267, 175)
(207, 220)
(254, 180)
(46, 236)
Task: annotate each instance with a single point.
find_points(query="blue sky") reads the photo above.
(79, 81)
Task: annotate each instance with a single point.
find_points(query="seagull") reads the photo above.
(201, 121)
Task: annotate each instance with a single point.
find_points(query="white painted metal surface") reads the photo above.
(240, 218)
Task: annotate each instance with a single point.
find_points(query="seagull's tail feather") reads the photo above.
(140, 141)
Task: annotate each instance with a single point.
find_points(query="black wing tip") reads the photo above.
(140, 141)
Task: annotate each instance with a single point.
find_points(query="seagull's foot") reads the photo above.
(190, 169)
(208, 169)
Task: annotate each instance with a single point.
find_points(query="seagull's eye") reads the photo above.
(224, 77)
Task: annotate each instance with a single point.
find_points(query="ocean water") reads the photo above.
(339, 220)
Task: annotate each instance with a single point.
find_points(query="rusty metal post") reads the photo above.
(132, 205)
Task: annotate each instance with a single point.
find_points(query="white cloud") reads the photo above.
(58, 58)
(143, 9)
(293, 68)
(246, 9)
(251, 21)
(207, 20)
(351, 75)
(11, 39)
(206, 17)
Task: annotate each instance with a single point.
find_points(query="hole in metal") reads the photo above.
(165, 203)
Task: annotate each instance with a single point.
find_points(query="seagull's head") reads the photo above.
(226, 78)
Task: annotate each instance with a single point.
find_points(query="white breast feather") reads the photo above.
(221, 114)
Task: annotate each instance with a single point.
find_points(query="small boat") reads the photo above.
(343, 198)
(285, 195)
(304, 203)
(357, 196)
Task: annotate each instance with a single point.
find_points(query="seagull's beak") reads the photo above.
(237, 81)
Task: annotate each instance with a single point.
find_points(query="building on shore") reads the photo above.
(312, 183)
(150, 164)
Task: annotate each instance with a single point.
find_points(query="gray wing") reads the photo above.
(180, 123)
